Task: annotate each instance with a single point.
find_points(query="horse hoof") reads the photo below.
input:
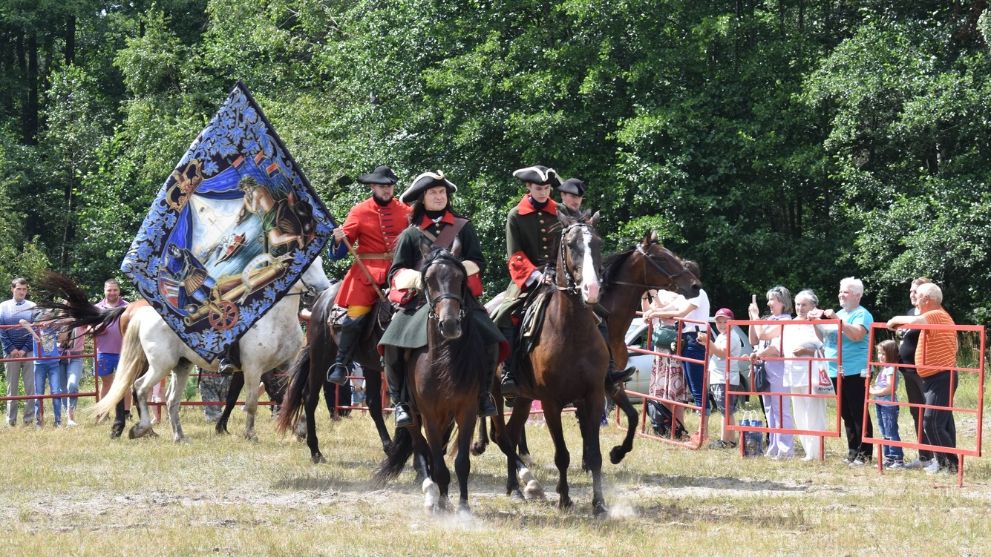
(599, 510)
(222, 430)
(431, 495)
(527, 459)
(533, 490)
(151, 433)
(464, 511)
(525, 475)
(516, 495)
(180, 440)
(251, 436)
(616, 454)
(478, 448)
(318, 458)
(565, 503)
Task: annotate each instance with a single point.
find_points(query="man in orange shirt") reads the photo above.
(936, 362)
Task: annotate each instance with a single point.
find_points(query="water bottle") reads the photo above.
(751, 439)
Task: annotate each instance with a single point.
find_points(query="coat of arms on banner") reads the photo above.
(232, 229)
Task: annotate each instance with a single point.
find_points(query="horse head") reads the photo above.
(662, 269)
(580, 258)
(444, 285)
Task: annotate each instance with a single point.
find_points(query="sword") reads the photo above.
(364, 269)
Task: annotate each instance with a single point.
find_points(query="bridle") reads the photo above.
(654, 264)
(570, 286)
(433, 301)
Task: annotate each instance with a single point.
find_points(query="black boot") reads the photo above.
(486, 406)
(229, 361)
(341, 368)
(395, 376)
(117, 428)
(508, 385)
(614, 377)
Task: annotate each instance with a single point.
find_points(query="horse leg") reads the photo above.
(317, 374)
(632, 418)
(562, 458)
(140, 390)
(252, 377)
(373, 399)
(517, 469)
(594, 404)
(439, 473)
(462, 464)
(179, 377)
(233, 392)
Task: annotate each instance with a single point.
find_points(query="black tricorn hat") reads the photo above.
(538, 174)
(424, 182)
(381, 175)
(573, 186)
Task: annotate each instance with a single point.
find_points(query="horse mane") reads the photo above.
(612, 265)
(460, 359)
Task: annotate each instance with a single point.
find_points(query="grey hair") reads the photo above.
(855, 284)
(809, 295)
(783, 295)
(931, 291)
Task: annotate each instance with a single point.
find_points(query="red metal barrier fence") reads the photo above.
(977, 411)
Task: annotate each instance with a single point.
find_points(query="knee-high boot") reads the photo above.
(486, 407)
(350, 333)
(395, 376)
(509, 385)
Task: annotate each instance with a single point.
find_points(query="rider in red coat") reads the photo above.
(374, 225)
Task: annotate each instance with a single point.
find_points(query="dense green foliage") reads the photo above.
(788, 141)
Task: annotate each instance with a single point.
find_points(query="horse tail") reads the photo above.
(133, 362)
(292, 403)
(75, 304)
(397, 455)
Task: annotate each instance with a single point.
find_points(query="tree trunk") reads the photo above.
(29, 123)
(70, 40)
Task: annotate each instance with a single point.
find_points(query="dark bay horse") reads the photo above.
(308, 373)
(626, 277)
(568, 363)
(444, 381)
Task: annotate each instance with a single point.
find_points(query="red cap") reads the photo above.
(725, 312)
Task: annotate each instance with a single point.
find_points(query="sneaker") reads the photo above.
(932, 467)
(71, 423)
(858, 461)
(894, 465)
(917, 463)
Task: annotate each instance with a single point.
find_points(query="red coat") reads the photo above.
(372, 229)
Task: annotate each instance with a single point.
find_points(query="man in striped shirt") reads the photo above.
(936, 361)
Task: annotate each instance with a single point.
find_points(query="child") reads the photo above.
(887, 414)
(45, 334)
(717, 374)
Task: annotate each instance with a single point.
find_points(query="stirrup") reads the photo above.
(337, 373)
(618, 377)
(402, 415)
(486, 407)
(508, 385)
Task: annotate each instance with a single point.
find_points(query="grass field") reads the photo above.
(76, 492)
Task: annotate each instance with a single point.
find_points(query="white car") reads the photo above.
(636, 336)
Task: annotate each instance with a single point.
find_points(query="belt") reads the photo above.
(387, 255)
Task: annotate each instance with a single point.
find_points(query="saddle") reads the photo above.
(534, 310)
(381, 316)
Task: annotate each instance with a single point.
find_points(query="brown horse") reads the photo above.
(568, 363)
(444, 380)
(308, 373)
(626, 276)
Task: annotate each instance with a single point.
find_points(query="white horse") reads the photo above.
(148, 341)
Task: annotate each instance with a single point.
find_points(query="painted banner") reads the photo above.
(234, 226)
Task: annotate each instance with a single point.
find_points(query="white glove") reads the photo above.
(407, 279)
(471, 267)
(535, 276)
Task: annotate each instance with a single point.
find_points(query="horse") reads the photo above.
(308, 372)
(626, 277)
(151, 348)
(444, 380)
(568, 363)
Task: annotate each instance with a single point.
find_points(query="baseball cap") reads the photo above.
(725, 312)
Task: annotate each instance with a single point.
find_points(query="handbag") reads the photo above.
(761, 383)
(824, 385)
